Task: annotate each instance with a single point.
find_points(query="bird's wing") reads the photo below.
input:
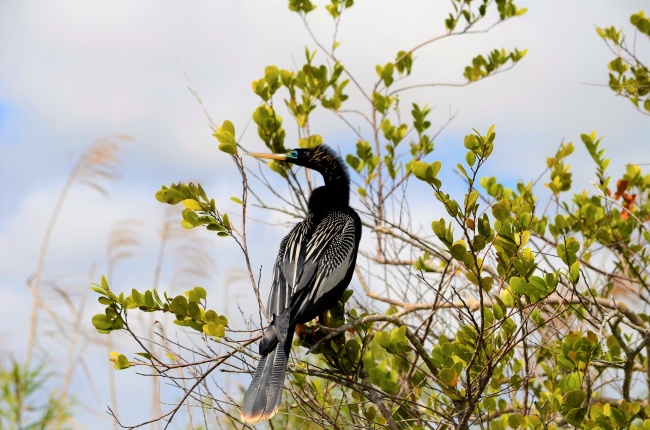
(289, 267)
(314, 258)
(331, 251)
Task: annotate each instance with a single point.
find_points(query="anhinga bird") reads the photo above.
(313, 268)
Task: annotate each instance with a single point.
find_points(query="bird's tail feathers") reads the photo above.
(263, 397)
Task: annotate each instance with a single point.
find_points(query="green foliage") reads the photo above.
(592, 145)
(393, 342)
(605, 416)
(226, 137)
(305, 88)
(120, 362)
(426, 172)
(629, 76)
(560, 175)
(199, 210)
(641, 22)
(304, 6)
(22, 403)
(509, 234)
(482, 67)
(468, 13)
(190, 311)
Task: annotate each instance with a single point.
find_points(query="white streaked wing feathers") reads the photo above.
(321, 262)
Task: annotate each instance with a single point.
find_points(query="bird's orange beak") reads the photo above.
(280, 157)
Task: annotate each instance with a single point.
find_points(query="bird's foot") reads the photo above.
(309, 335)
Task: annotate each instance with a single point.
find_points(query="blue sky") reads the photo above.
(73, 71)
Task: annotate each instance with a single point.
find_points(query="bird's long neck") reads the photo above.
(335, 194)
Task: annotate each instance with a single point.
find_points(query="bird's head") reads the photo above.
(306, 157)
(293, 156)
(326, 161)
(321, 158)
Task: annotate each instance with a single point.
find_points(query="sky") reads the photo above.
(72, 72)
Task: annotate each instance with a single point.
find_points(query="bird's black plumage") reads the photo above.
(313, 268)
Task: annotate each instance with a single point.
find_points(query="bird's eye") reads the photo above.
(293, 154)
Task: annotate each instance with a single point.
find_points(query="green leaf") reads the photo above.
(102, 323)
(386, 73)
(122, 362)
(352, 348)
(471, 199)
(498, 311)
(118, 323)
(574, 272)
(346, 295)
(226, 137)
(501, 210)
(507, 298)
(439, 227)
(104, 283)
(472, 277)
(236, 200)
(404, 62)
(186, 225)
(110, 312)
(515, 421)
(458, 250)
(449, 377)
(486, 284)
(211, 316)
(215, 227)
(179, 306)
(148, 299)
(382, 338)
(568, 250)
(435, 168)
(271, 74)
(398, 334)
(226, 222)
(137, 297)
(576, 416)
(304, 6)
(551, 282)
(426, 172)
(370, 414)
(214, 329)
(538, 284)
(574, 398)
(191, 217)
(471, 141)
(98, 290)
(228, 148)
(462, 170)
(595, 411)
(518, 285)
(157, 298)
(192, 204)
(169, 196)
(565, 362)
(200, 292)
(192, 296)
(193, 310)
(381, 103)
(470, 158)
(144, 354)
